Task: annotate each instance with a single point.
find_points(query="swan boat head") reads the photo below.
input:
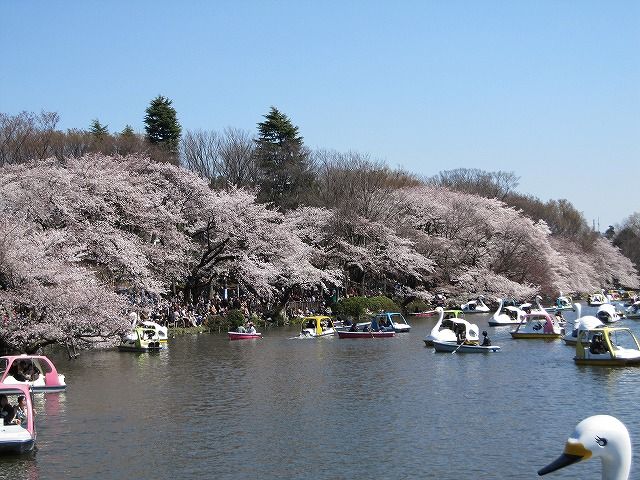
(599, 436)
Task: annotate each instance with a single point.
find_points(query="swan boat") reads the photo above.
(596, 299)
(45, 379)
(539, 325)
(243, 335)
(607, 313)
(600, 436)
(580, 324)
(607, 346)
(562, 303)
(463, 348)
(475, 306)
(506, 314)
(453, 330)
(16, 438)
(633, 311)
(442, 331)
(317, 326)
(141, 339)
(163, 332)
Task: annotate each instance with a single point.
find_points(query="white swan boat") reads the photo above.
(453, 330)
(633, 311)
(537, 326)
(607, 313)
(475, 306)
(563, 303)
(441, 331)
(506, 314)
(580, 324)
(600, 436)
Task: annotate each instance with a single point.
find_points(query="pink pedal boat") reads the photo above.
(16, 438)
(45, 377)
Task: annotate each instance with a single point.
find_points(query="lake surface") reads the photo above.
(324, 408)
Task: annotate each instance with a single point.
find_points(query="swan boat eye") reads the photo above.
(601, 441)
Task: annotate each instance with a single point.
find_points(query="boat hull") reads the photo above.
(16, 446)
(365, 334)
(134, 348)
(537, 336)
(608, 362)
(243, 336)
(447, 347)
(501, 323)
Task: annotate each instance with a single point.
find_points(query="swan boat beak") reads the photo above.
(573, 452)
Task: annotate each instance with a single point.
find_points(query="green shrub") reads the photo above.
(235, 318)
(416, 306)
(357, 306)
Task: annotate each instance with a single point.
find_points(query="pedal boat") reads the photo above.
(620, 347)
(18, 438)
(442, 330)
(607, 313)
(475, 306)
(596, 299)
(633, 311)
(141, 339)
(538, 325)
(162, 332)
(49, 380)
(394, 319)
(454, 330)
(562, 303)
(317, 326)
(463, 348)
(243, 335)
(506, 314)
(366, 334)
(588, 322)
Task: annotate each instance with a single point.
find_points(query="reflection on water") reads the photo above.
(324, 408)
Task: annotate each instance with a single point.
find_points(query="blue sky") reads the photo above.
(548, 89)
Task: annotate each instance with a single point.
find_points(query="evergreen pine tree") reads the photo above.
(127, 131)
(161, 124)
(283, 161)
(98, 130)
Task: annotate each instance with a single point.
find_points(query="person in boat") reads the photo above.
(461, 336)
(32, 373)
(20, 373)
(251, 329)
(375, 327)
(559, 316)
(486, 342)
(21, 411)
(7, 412)
(241, 329)
(354, 327)
(597, 345)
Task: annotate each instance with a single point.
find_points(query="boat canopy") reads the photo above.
(317, 322)
(616, 342)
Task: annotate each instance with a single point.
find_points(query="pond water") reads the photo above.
(325, 409)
